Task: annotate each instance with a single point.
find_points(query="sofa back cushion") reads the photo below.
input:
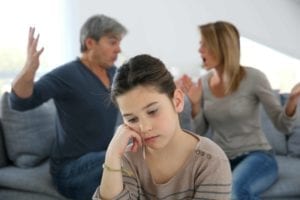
(185, 118)
(3, 156)
(276, 139)
(294, 141)
(293, 144)
(28, 135)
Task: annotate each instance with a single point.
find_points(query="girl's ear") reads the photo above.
(178, 100)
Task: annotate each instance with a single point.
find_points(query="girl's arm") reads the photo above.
(112, 180)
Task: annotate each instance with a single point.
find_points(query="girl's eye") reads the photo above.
(152, 112)
(132, 120)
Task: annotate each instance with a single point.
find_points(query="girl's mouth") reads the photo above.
(150, 139)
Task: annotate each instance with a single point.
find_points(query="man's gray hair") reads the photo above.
(98, 26)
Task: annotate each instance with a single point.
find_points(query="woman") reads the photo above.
(227, 100)
(163, 161)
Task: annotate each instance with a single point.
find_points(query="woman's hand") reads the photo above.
(293, 100)
(192, 90)
(295, 93)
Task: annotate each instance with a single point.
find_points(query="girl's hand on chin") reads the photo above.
(123, 135)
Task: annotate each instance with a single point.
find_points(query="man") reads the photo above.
(81, 91)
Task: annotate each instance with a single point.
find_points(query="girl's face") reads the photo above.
(209, 60)
(151, 114)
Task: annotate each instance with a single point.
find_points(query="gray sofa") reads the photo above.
(26, 139)
(25, 142)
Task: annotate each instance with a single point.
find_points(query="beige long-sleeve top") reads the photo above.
(205, 175)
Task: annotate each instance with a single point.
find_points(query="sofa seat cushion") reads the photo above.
(8, 194)
(289, 179)
(28, 135)
(31, 180)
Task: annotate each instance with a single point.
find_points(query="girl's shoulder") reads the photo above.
(207, 147)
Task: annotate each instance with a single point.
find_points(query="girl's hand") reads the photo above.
(123, 135)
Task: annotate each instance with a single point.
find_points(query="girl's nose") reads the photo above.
(145, 126)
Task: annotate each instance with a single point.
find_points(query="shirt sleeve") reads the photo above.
(214, 181)
(131, 184)
(271, 104)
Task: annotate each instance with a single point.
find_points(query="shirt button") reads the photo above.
(198, 152)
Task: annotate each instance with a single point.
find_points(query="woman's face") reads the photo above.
(208, 58)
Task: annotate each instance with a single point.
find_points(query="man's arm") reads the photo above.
(24, 81)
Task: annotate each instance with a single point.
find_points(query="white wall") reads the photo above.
(168, 28)
(164, 28)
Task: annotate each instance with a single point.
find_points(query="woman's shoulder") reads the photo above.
(251, 71)
(254, 75)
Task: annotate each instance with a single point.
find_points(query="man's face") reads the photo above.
(105, 51)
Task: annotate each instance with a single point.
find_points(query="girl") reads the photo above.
(162, 161)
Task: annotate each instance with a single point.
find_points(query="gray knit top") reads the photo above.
(235, 119)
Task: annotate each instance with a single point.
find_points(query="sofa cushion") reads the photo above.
(3, 156)
(276, 139)
(289, 179)
(294, 139)
(185, 117)
(28, 135)
(293, 144)
(35, 180)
